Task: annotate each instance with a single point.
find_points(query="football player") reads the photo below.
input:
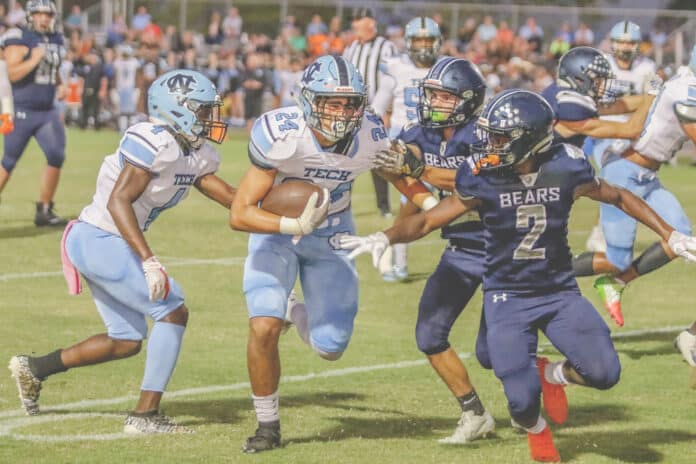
(665, 131)
(633, 73)
(33, 55)
(451, 97)
(153, 169)
(396, 101)
(329, 138)
(523, 186)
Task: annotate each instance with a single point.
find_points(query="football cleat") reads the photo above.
(46, 217)
(155, 423)
(541, 446)
(264, 439)
(470, 427)
(610, 290)
(28, 384)
(596, 242)
(553, 396)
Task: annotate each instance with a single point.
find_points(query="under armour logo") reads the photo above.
(499, 297)
(181, 84)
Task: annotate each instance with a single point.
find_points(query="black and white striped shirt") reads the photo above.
(367, 57)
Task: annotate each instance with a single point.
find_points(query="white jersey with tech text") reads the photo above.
(153, 148)
(124, 72)
(281, 140)
(398, 91)
(662, 134)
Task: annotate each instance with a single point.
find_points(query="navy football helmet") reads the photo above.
(464, 83)
(513, 126)
(587, 71)
(41, 6)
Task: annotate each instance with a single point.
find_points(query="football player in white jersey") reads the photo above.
(396, 101)
(632, 73)
(153, 169)
(328, 139)
(664, 133)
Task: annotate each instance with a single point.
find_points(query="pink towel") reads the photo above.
(72, 276)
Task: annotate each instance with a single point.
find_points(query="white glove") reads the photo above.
(653, 85)
(310, 218)
(376, 244)
(682, 245)
(156, 278)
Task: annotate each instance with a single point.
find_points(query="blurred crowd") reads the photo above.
(255, 72)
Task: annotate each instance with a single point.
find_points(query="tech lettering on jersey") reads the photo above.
(330, 174)
(531, 196)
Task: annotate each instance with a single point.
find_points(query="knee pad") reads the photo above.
(601, 374)
(523, 392)
(429, 342)
(55, 157)
(9, 162)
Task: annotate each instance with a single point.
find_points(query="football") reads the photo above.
(290, 197)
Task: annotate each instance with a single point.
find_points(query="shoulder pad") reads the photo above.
(143, 142)
(685, 111)
(266, 147)
(13, 35)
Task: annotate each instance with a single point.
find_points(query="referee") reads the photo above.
(366, 53)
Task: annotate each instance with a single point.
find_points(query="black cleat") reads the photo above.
(265, 439)
(46, 217)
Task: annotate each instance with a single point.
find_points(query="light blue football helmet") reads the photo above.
(625, 31)
(426, 28)
(332, 76)
(188, 103)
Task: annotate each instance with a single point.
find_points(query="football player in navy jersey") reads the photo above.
(33, 55)
(450, 98)
(524, 186)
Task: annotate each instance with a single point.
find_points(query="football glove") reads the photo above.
(6, 124)
(156, 278)
(310, 218)
(375, 244)
(682, 245)
(400, 160)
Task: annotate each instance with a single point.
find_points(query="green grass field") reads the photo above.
(380, 403)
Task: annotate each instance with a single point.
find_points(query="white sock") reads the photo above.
(538, 427)
(400, 255)
(553, 373)
(266, 408)
(298, 316)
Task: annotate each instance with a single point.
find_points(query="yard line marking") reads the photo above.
(7, 427)
(296, 378)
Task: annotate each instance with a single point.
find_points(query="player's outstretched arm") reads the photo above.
(634, 206)
(412, 189)
(409, 229)
(603, 129)
(216, 189)
(400, 160)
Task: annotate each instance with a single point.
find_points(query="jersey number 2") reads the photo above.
(535, 214)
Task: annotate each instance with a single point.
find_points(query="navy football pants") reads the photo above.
(49, 131)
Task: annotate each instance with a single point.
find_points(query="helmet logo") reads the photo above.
(181, 84)
(508, 115)
(310, 72)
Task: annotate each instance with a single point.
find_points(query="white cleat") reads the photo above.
(156, 423)
(596, 242)
(470, 427)
(685, 343)
(28, 384)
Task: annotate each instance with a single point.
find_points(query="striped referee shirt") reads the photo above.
(367, 57)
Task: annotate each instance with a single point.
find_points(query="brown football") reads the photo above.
(290, 197)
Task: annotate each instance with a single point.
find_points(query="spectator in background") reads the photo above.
(254, 83)
(336, 42)
(212, 68)
(583, 36)
(289, 73)
(94, 88)
(74, 20)
(232, 24)
(466, 34)
(116, 33)
(16, 17)
(189, 60)
(486, 30)
(215, 34)
(565, 34)
(316, 26)
(505, 37)
(230, 86)
(171, 40)
(561, 43)
(395, 34)
(141, 19)
(533, 34)
(444, 29)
